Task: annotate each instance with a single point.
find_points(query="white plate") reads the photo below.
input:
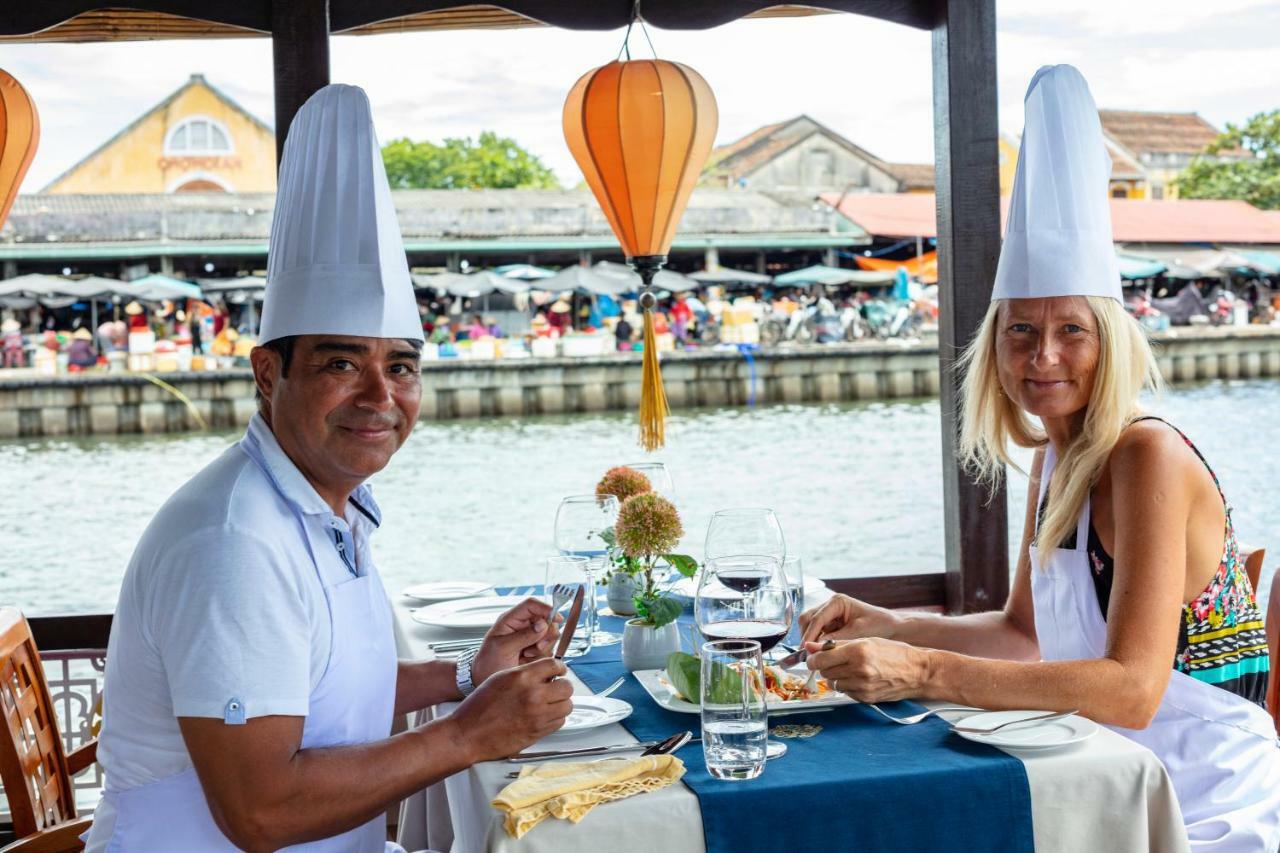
(592, 711)
(688, 588)
(1046, 735)
(446, 590)
(468, 613)
(658, 685)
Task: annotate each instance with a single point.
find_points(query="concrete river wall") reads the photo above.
(107, 404)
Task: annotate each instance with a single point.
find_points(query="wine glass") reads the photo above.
(744, 598)
(742, 531)
(659, 478)
(581, 521)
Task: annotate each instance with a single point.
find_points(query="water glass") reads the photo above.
(572, 572)
(735, 718)
(794, 572)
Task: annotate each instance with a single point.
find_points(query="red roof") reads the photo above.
(1132, 221)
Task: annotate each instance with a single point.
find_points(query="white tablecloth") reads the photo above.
(1104, 794)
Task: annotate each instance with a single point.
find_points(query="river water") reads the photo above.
(857, 488)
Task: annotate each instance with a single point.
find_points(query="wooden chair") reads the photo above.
(35, 769)
(1273, 648)
(1253, 558)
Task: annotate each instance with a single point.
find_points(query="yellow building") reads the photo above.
(195, 140)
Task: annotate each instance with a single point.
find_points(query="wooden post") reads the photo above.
(968, 195)
(300, 53)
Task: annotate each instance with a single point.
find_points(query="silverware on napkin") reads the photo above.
(651, 747)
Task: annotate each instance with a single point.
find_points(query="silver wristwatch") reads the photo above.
(463, 677)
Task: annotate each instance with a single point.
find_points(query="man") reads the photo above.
(251, 674)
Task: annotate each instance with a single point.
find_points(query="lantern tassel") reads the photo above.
(653, 397)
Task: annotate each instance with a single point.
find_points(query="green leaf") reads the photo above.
(682, 563)
(664, 611)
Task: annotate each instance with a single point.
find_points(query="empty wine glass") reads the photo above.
(581, 521)
(659, 478)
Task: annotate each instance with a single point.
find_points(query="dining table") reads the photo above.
(1105, 793)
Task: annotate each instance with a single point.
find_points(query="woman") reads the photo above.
(1129, 601)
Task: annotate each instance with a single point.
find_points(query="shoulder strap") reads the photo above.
(1190, 444)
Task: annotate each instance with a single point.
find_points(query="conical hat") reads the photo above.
(1058, 239)
(336, 262)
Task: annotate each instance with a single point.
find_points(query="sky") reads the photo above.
(866, 79)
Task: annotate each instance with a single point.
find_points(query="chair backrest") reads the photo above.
(1273, 648)
(1253, 558)
(33, 763)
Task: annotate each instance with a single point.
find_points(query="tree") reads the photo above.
(492, 161)
(1255, 180)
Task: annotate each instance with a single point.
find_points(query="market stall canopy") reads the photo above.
(157, 288)
(243, 283)
(664, 280)
(524, 272)
(1132, 268)
(468, 285)
(834, 276)
(725, 275)
(923, 268)
(32, 285)
(1192, 263)
(587, 280)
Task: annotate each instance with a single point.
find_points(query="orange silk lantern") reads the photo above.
(641, 131)
(19, 135)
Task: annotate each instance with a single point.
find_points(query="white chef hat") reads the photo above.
(336, 263)
(1057, 239)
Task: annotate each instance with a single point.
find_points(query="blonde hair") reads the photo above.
(990, 421)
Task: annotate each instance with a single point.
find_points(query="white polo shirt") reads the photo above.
(222, 612)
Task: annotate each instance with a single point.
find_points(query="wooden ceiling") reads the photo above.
(82, 21)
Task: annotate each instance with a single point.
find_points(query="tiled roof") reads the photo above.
(1161, 133)
(913, 176)
(1132, 221)
(423, 214)
(761, 145)
(1123, 166)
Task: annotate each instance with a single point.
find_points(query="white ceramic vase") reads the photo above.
(646, 647)
(621, 590)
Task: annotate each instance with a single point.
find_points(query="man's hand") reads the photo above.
(513, 709)
(845, 618)
(871, 669)
(522, 634)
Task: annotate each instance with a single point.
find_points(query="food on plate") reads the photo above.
(788, 687)
(685, 674)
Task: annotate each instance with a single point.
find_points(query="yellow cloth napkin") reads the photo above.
(571, 790)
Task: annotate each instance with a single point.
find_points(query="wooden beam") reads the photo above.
(300, 52)
(968, 197)
(928, 590)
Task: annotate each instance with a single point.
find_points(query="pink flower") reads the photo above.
(623, 482)
(648, 524)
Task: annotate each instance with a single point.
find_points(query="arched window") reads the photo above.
(198, 136)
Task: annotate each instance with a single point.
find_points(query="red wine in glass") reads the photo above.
(767, 632)
(744, 580)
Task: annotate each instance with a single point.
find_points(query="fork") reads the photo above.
(914, 718)
(561, 594)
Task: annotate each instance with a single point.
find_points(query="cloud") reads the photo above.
(867, 79)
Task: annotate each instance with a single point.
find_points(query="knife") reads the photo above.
(650, 747)
(570, 624)
(801, 655)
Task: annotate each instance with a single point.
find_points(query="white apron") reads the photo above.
(1219, 749)
(352, 703)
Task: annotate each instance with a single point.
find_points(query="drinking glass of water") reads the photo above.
(571, 571)
(735, 719)
(581, 521)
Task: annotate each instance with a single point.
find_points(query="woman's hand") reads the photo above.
(872, 669)
(522, 634)
(846, 618)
